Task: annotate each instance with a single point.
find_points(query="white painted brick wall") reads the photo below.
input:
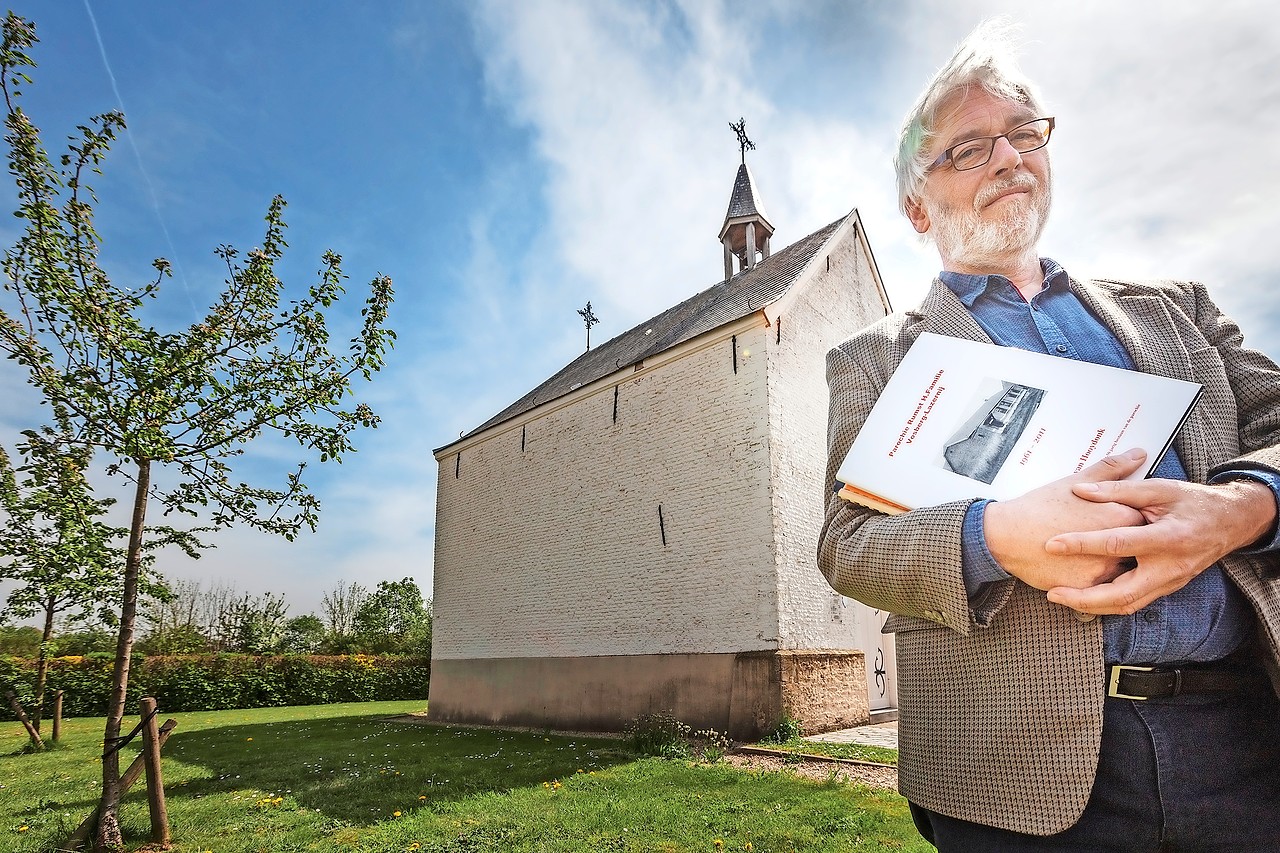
(556, 550)
(836, 303)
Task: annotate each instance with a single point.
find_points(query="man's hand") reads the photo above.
(1017, 530)
(1189, 527)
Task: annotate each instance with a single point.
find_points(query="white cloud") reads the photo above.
(629, 106)
(1161, 156)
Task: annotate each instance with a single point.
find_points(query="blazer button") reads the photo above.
(1085, 617)
(935, 615)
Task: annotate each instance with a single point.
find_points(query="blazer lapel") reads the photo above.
(943, 313)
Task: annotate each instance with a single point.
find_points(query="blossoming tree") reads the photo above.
(185, 402)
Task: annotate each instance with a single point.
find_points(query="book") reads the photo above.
(962, 419)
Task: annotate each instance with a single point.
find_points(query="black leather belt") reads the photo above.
(1158, 682)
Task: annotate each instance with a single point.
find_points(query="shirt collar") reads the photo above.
(969, 287)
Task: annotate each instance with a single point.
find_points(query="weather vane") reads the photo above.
(590, 319)
(744, 144)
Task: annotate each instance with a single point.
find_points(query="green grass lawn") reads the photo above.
(343, 778)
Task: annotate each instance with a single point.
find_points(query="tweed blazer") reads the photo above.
(1000, 700)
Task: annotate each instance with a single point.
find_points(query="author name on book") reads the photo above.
(921, 414)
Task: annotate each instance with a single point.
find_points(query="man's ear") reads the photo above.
(917, 215)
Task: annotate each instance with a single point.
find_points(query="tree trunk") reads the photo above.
(42, 663)
(108, 837)
(16, 706)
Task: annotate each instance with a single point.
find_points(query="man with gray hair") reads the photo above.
(1084, 667)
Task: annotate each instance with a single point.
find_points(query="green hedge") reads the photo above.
(217, 682)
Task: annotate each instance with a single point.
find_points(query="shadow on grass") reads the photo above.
(349, 768)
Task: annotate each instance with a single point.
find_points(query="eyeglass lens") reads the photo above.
(1023, 138)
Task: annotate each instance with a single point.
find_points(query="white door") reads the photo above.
(882, 683)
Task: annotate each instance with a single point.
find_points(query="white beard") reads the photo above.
(963, 235)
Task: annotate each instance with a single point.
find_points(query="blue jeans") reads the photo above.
(1189, 773)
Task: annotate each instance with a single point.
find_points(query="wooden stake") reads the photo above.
(57, 715)
(155, 781)
(127, 779)
(22, 716)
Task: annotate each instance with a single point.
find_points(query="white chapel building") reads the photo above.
(638, 533)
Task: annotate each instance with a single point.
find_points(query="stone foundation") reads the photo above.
(743, 694)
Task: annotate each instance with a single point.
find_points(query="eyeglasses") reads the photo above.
(972, 153)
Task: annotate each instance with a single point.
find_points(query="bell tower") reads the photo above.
(746, 230)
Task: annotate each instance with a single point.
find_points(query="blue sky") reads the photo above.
(506, 161)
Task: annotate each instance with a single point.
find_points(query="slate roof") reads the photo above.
(748, 291)
(743, 201)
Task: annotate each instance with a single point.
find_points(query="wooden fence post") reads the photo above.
(155, 780)
(57, 715)
(127, 780)
(22, 716)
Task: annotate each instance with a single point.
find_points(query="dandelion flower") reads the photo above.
(395, 814)
(248, 738)
(23, 828)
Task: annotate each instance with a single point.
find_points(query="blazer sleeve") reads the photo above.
(1254, 386)
(907, 564)
(1253, 380)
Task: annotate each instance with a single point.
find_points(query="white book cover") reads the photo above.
(961, 419)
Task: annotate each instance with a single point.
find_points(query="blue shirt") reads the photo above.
(1205, 620)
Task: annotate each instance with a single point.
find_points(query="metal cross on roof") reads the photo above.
(744, 144)
(590, 319)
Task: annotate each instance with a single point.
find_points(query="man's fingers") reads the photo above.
(1127, 594)
(1115, 467)
(1134, 493)
(1098, 482)
(1113, 542)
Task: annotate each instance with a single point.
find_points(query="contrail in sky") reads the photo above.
(151, 190)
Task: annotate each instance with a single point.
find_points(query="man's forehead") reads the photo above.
(972, 112)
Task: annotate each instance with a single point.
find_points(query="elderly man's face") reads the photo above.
(983, 217)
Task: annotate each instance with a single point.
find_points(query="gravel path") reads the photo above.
(873, 776)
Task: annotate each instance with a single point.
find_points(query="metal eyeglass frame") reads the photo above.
(991, 147)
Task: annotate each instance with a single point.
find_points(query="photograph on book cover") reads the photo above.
(1001, 412)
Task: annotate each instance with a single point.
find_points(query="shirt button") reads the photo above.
(1061, 347)
(1150, 616)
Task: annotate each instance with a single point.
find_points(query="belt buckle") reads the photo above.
(1113, 688)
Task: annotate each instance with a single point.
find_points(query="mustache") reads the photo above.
(1018, 180)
